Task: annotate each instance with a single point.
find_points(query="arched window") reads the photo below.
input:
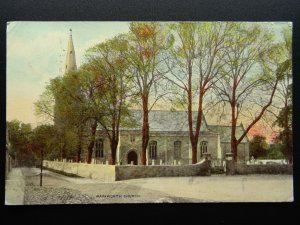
(203, 147)
(153, 149)
(99, 148)
(177, 149)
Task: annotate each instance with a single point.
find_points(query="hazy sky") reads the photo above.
(35, 55)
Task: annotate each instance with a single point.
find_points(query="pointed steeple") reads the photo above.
(70, 64)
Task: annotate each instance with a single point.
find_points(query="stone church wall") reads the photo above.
(132, 141)
(165, 148)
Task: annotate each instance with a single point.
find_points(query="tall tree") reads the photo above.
(147, 44)
(47, 107)
(107, 60)
(249, 76)
(90, 87)
(196, 61)
(71, 111)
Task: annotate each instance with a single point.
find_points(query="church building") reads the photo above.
(169, 141)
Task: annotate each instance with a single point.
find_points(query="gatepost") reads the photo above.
(230, 164)
(207, 158)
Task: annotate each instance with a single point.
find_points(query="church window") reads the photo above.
(99, 148)
(203, 147)
(177, 149)
(153, 149)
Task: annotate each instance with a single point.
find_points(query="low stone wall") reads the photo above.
(263, 169)
(95, 171)
(133, 172)
(110, 173)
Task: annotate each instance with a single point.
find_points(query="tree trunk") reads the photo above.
(63, 151)
(198, 127)
(234, 147)
(92, 142)
(194, 153)
(78, 157)
(145, 137)
(233, 140)
(113, 147)
(193, 138)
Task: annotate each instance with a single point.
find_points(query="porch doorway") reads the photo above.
(132, 156)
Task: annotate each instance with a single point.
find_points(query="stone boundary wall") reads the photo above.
(139, 171)
(110, 173)
(263, 169)
(94, 171)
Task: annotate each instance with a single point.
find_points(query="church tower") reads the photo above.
(70, 64)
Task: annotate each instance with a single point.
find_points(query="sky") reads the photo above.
(35, 54)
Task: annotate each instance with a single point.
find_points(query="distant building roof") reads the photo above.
(225, 132)
(170, 121)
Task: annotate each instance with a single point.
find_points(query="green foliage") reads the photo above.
(188, 35)
(107, 63)
(44, 106)
(45, 139)
(258, 146)
(281, 118)
(20, 137)
(285, 140)
(275, 152)
(147, 44)
(27, 143)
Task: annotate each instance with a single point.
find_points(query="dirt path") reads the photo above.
(58, 189)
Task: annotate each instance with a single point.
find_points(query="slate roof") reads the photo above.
(225, 132)
(177, 121)
(166, 121)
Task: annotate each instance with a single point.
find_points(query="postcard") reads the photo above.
(148, 112)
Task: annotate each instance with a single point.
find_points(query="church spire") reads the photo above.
(70, 56)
